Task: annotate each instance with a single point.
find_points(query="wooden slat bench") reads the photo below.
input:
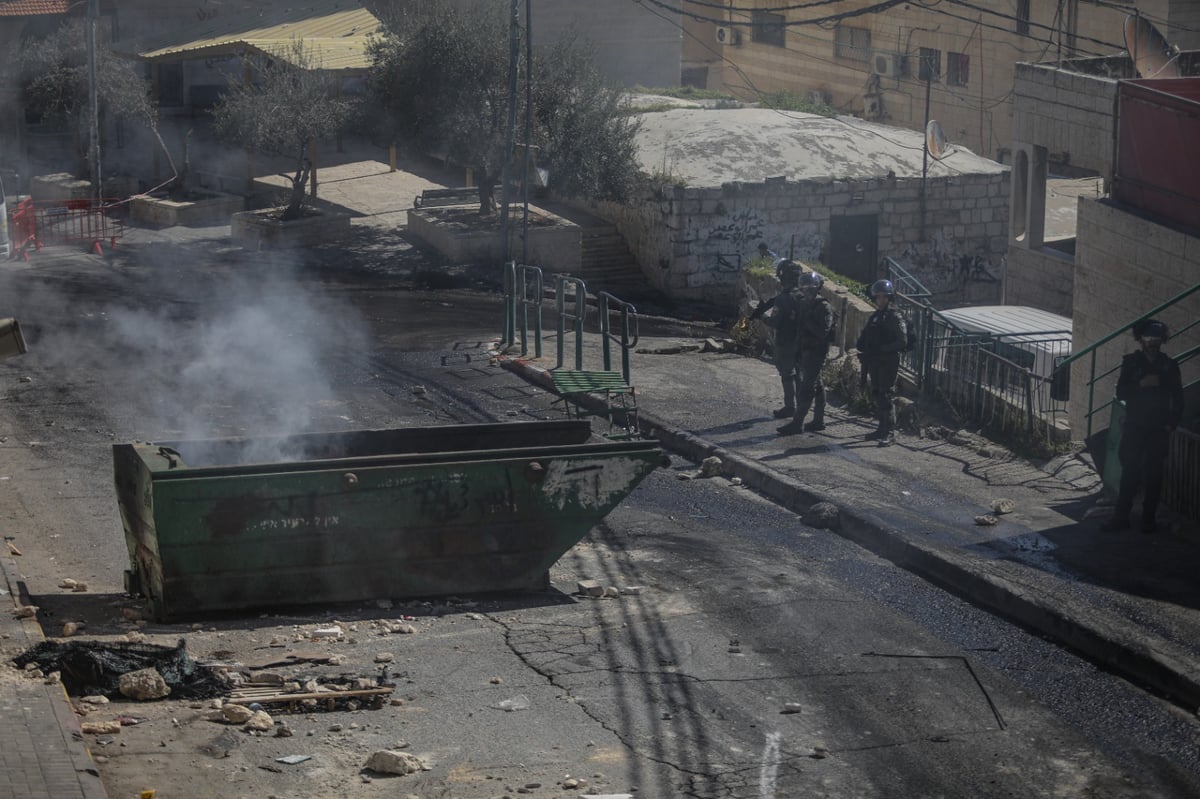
(604, 395)
(435, 198)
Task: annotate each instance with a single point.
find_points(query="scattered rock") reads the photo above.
(986, 520)
(327, 632)
(985, 452)
(384, 657)
(132, 614)
(100, 727)
(95, 699)
(611, 592)
(735, 481)
(236, 714)
(25, 612)
(710, 466)
(143, 684)
(589, 588)
(823, 516)
(67, 583)
(261, 721)
(79, 588)
(12, 549)
(388, 761)
(70, 628)
(631, 590)
(1003, 506)
(790, 707)
(403, 629)
(959, 439)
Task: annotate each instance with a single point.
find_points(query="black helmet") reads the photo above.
(1150, 328)
(812, 280)
(788, 271)
(883, 287)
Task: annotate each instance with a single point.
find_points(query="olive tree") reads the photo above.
(440, 84)
(289, 104)
(53, 75)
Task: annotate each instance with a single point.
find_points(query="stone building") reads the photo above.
(875, 64)
(838, 190)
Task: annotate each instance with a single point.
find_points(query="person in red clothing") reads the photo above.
(1150, 386)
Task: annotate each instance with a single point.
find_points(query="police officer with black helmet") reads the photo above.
(786, 319)
(879, 346)
(813, 332)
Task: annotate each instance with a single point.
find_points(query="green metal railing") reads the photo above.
(575, 316)
(522, 295)
(906, 283)
(628, 338)
(1090, 352)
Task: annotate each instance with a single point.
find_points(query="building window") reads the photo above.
(931, 64)
(852, 43)
(1023, 17)
(958, 69)
(767, 28)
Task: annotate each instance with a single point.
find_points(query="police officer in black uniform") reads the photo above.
(879, 346)
(813, 332)
(786, 319)
(1150, 386)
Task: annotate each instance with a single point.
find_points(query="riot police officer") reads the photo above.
(785, 320)
(813, 335)
(879, 346)
(1150, 386)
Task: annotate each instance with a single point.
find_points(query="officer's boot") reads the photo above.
(818, 420)
(797, 423)
(789, 399)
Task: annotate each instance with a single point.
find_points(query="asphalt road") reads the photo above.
(683, 689)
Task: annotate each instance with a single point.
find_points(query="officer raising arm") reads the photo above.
(813, 336)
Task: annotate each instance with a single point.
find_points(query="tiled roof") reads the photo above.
(32, 8)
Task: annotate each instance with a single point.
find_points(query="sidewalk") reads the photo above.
(41, 745)
(1128, 601)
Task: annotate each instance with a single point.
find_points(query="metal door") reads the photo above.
(854, 246)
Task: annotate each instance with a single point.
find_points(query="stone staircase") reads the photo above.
(608, 265)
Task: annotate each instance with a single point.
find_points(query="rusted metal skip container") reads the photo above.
(240, 523)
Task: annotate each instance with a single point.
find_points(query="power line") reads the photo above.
(871, 9)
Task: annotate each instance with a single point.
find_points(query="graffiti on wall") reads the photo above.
(734, 239)
(945, 266)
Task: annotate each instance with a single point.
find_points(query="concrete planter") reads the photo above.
(59, 186)
(264, 230)
(461, 237)
(211, 208)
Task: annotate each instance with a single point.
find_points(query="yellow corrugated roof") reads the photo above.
(334, 31)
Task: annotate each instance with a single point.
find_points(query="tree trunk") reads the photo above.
(299, 190)
(487, 195)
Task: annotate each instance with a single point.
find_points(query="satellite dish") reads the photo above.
(1153, 56)
(935, 139)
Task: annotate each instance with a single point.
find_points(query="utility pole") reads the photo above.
(93, 14)
(928, 64)
(528, 129)
(514, 36)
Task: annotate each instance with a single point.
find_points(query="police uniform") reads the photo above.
(1151, 412)
(879, 345)
(816, 321)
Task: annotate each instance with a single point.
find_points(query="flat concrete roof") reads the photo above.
(709, 147)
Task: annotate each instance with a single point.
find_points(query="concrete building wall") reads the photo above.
(976, 113)
(633, 44)
(1040, 278)
(1070, 114)
(693, 242)
(1125, 266)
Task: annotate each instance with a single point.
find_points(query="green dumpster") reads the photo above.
(241, 523)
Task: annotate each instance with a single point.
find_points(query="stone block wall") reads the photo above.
(692, 242)
(1067, 113)
(1125, 266)
(1042, 278)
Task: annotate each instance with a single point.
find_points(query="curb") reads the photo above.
(60, 704)
(1148, 661)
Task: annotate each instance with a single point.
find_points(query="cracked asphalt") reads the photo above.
(758, 657)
